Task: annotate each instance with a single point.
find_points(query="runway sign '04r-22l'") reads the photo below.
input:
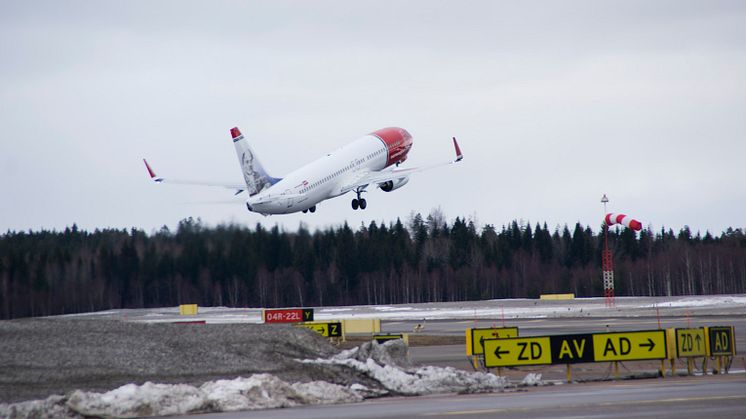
(288, 315)
(570, 349)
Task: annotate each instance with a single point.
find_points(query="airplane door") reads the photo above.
(290, 199)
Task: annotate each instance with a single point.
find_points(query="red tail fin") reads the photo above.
(459, 156)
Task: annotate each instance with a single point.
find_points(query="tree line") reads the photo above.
(424, 259)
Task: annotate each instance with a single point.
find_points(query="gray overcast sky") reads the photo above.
(554, 104)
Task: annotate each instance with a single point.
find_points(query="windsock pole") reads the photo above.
(608, 269)
(606, 263)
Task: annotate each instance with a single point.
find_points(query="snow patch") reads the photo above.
(334, 310)
(384, 364)
(412, 382)
(321, 392)
(260, 391)
(53, 407)
(390, 308)
(701, 302)
(532, 379)
(131, 400)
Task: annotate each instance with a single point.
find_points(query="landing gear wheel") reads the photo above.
(363, 203)
(305, 211)
(354, 204)
(312, 209)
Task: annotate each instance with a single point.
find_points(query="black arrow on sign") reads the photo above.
(650, 345)
(498, 352)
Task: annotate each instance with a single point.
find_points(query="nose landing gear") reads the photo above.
(312, 209)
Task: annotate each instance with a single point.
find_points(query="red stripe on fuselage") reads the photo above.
(398, 142)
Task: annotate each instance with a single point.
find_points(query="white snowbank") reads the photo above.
(132, 400)
(532, 379)
(488, 309)
(702, 302)
(53, 407)
(260, 391)
(418, 381)
(263, 391)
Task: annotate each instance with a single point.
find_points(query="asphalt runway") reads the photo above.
(592, 393)
(560, 325)
(721, 396)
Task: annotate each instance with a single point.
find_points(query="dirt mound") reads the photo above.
(40, 357)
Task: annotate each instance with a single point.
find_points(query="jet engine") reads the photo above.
(390, 185)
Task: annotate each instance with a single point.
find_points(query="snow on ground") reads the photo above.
(489, 309)
(708, 301)
(264, 391)
(532, 379)
(412, 382)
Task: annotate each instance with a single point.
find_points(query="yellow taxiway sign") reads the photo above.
(629, 346)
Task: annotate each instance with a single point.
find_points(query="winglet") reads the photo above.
(459, 156)
(151, 172)
(235, 133)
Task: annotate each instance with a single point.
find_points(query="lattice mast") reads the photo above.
(606, 262)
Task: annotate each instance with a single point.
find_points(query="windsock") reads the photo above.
(629, 222)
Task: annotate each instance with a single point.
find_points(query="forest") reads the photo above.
(424, 259)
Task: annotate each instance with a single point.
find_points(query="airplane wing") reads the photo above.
(394, 174)
(238, 188)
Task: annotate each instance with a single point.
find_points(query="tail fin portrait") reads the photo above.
(254, 175)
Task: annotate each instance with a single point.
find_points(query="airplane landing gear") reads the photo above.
(359, 202)
(312, 209)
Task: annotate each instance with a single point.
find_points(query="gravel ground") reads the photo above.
(40, 357)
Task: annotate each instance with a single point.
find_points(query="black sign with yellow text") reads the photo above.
(721, 340)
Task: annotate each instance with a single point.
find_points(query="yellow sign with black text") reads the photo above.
(330, 330)
(517, 351)
(690, 342)
(475, 337)
(629, 346)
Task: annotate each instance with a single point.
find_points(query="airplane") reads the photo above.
(373, 159)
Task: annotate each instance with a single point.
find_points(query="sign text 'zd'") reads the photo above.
(517, 351)
(690, 342)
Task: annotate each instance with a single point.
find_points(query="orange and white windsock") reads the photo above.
(629, 222)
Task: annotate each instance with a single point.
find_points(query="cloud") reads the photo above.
(554, 104)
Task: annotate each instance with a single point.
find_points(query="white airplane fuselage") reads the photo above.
(367, 162)
(333, 175)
